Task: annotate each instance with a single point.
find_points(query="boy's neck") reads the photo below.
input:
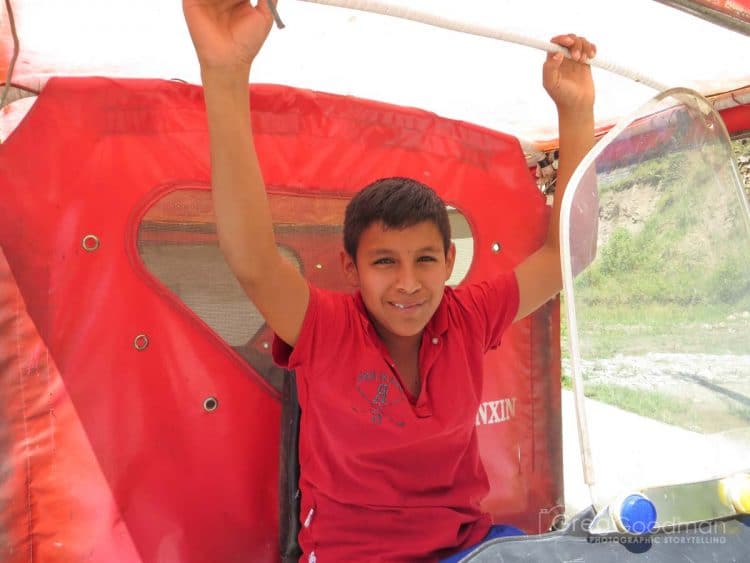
(401, 347)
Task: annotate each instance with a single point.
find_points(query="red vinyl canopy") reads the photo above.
(138, 424)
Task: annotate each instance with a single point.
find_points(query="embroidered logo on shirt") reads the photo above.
(381, 391)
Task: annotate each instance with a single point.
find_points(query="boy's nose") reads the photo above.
(408, 282)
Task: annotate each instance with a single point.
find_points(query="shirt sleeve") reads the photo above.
(491, 306)
(324, 325)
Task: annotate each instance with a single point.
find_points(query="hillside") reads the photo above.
(664, 311)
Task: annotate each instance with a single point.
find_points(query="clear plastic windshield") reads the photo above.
(656, 259)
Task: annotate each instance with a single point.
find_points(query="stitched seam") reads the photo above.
(30, 536)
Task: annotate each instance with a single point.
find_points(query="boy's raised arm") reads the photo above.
(227, 35)
(569, 84)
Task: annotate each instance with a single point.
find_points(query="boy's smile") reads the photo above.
(401, 274)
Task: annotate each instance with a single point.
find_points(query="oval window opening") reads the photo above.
(464, 241)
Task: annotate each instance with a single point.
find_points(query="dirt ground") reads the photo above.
(715, 387)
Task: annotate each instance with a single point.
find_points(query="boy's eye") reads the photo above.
(427, 259)
(380, 261)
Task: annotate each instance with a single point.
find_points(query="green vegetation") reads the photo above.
(628, 330)
(676, 280)
(688, 251)
(653, 404)
(652, 171)
(740, 411)
(668, 408)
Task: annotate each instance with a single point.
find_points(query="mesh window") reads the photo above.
(178, 245)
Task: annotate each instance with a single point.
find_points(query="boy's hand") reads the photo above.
(568, 81)
(227, 33)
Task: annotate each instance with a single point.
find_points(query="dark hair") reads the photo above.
(397, 203)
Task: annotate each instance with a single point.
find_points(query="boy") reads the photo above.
(389, 379)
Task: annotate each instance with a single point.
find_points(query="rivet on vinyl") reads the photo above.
(90, 243)
(140, 342)
(210, 404)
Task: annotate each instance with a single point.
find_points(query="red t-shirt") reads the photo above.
(386, 476)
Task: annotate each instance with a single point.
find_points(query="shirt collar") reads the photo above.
(438, 324)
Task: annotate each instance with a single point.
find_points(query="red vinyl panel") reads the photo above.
(109, 453)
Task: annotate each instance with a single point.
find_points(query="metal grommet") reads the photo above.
(318, 266)
(496, 247)
(266, 345)
(140, 342)
(90, 243)
(210, 404)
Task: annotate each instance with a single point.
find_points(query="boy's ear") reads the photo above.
(450, 261)
(350, 269)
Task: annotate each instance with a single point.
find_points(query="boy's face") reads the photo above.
(401, 274)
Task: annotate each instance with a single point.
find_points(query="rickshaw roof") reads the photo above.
(484, 81)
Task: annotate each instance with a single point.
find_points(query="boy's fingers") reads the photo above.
(263, 6)
(564, 40)
(577, 46)
(588, 48)
(577, 50)
(554, 59)
(552, 65)
(585, 50)
(592, 50)
(580, 48)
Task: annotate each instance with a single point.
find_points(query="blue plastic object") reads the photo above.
(638, 514)
(496, 531)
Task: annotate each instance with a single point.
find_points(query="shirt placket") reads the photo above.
(428, 354)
